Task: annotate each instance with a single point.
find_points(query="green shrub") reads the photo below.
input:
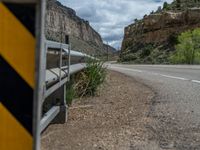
(90, 79)
(166, 6)
(86, 82)
(173, 40)
(146, 51)
(188, 48)
(128, 57)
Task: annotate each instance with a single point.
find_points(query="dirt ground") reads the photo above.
(116, 119)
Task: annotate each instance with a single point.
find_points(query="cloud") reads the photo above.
(109, 17)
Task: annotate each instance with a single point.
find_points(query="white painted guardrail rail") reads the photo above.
(56, 78)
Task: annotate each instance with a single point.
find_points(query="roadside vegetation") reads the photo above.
(86, 82)
(188, 48)
(145, 54)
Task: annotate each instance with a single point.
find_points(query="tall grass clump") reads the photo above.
(87, 82)
(70, 91)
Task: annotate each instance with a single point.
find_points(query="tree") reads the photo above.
(152, 12)
(145, 16)
(165, 6)
(178, 3)
(159, 9)
(188, 48)
(136, 20)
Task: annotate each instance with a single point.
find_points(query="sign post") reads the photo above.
(21, 73)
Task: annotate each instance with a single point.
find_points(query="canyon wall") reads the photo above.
(61, 20)
(159, 31)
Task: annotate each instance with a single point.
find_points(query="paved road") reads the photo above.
(176, 106)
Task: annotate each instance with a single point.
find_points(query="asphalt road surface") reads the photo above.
(176, 106)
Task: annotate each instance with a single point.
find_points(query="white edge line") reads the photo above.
(135, 70)
(173, 77)
(196, 81)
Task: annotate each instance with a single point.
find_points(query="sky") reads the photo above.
(109, 17)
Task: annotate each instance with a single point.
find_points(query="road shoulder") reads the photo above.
(117, 119)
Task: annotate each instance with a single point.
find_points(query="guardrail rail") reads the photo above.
(58, 76)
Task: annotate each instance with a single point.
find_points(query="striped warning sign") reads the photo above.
(17, 75)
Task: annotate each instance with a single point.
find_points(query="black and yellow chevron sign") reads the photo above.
(17, 74)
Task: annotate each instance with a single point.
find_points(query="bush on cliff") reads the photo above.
(128, 57)
(166, 6)
(188, 48)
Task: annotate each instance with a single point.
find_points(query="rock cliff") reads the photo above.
(61, 20)
(151, 39)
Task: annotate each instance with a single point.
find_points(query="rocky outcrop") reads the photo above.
(159, 30)
(61, 20)
(109, 49)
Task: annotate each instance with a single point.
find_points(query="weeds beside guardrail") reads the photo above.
(86, 82)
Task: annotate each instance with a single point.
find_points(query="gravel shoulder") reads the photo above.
(116, 119)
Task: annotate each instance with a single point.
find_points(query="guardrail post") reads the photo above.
(40, 67)
(69, 61)
(60, 95)
(62, 116)
(21, 67)
(60, 62)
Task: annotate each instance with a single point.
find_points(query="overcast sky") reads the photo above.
(109, 17)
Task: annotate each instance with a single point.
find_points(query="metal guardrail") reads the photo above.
(58, 77)
(48, 117)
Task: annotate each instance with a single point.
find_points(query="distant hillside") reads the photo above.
(152, 39)
(109, 49)
(61, 20)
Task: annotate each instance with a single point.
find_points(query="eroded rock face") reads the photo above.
(61, 20)
(159, 28)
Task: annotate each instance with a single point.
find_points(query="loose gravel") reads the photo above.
(116, 119)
